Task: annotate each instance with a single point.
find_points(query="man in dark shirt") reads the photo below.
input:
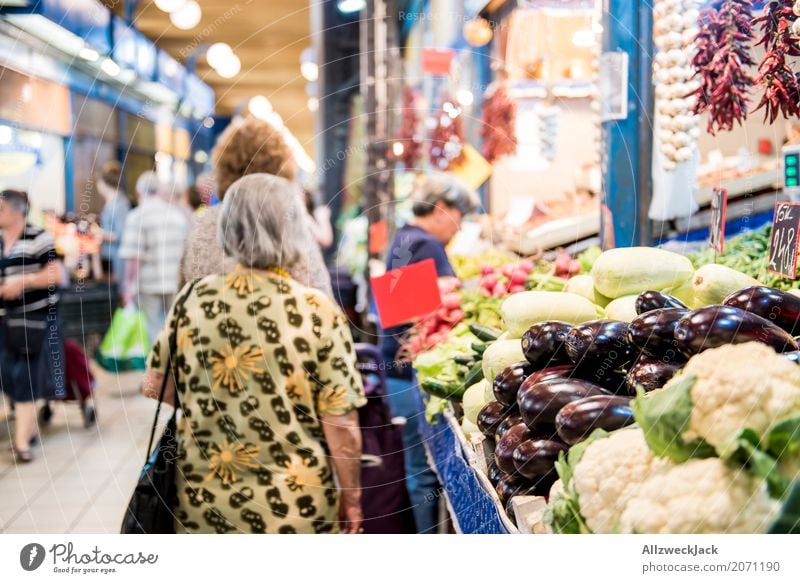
(439, 207)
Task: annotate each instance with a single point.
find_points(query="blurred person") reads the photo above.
(440, 203)
(248, 146)
(268, 386)
(31, 345)
(112, 219)
(320, 222)
(196, 198)
(151, 247)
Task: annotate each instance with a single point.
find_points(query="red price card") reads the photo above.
(406, 293)
(378, 237)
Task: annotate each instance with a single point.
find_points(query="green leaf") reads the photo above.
(745, 451)
(783, 438)
(664, 417)
(788, 519)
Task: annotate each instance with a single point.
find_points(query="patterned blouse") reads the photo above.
(261, 360)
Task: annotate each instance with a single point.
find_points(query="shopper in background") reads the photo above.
(112, 220)
(196, 200)
(151, 246)
(268, 385)
(440, 204)
(31, 345)
(248, 146)
(320, 222)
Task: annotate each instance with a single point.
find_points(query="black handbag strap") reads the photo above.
(170, 370)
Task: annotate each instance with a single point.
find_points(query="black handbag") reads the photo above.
(150, 510)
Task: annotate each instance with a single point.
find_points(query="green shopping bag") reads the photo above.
(126, 343)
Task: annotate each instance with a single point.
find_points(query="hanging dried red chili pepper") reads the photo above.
(723, 54)
(498, 125)
(409, 135)
(781, 84)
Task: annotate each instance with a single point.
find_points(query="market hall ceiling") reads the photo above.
(267, 36)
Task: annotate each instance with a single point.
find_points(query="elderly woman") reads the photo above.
(267, 382)
(249, 146)
(31, 347)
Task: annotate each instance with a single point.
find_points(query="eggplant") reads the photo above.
(600, 345)
(654, 300)
(536, 457)
(793, 356)
(494, 473)
(506, 424)
(576, 420)
(510, 486)
(653, 333)
(650, 374)
(543, 344)
(780, 308)
(507, 383)
(504, 450)
(715, 326)
(490, 418)
(540, 403)
(611, 380)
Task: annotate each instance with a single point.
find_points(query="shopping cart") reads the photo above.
(79, 382)
(384, 499)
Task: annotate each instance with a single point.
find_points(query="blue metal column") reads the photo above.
(627, 143)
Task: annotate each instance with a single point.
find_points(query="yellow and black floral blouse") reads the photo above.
(261, 360)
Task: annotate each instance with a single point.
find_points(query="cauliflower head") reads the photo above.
(699, 497)
(609, 473)
(740, 386)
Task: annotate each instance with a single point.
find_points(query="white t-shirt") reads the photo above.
(154, 234)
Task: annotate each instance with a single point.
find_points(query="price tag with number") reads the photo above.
(719, 210)
(783, 244)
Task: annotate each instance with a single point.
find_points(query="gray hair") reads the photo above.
(262, 222)
(16, 199)
(148, 184)
(440, 187)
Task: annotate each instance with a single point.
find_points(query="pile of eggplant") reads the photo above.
(578, 378)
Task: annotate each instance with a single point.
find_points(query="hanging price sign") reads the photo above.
(783, 244)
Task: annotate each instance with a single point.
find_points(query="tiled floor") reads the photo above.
(81, 478)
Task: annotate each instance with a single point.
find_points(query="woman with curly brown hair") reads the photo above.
(248, 146)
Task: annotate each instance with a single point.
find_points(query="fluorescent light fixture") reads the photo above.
(398, 149)
(230, 67)
(48, 31)
(89, 54)
(109, 67)
(313, 104)
(583, 38)
(217, 54)
(187, 16)
(169, 5)
(260, 107)
(350, 6)
(6, 134)
(465, 97)
(127, 76)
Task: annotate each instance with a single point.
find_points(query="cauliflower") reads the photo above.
(740, 386)
(728, 398)
(599, 480)
(699, 497)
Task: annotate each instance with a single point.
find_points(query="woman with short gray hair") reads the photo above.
(266, 381)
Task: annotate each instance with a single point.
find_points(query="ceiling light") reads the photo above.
(310, 71)
(6, 134)
(313, 104)
(201, 156)
(583, 38)
(260, 107)
(350, 6)
(169, 5)
(208, 123)
(230, 67)
(398, 149)
(218, 53)
(89, 54)
(465, 97)
(109, 67)
(187, 16)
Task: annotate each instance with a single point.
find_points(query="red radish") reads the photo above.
(451, 301)
(507, 270)
(456, 316)
(500, 290)
(574, 267)
(489, 281)
(514, 289)
(526, 265)
(518, 276)
(562, 263)
(486, 269)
